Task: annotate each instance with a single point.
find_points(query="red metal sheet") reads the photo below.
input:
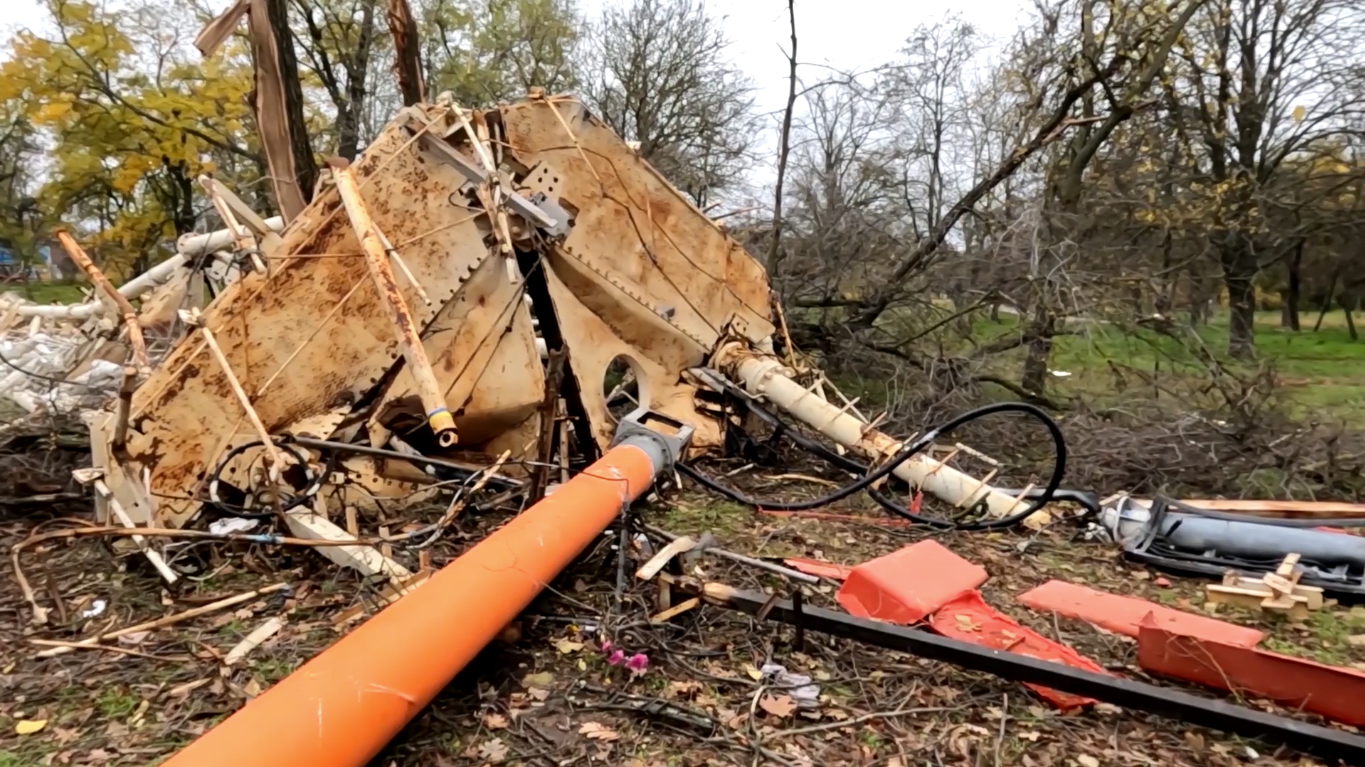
(1334, 692)
(970, 619)
(1122, 615)
(908, 585)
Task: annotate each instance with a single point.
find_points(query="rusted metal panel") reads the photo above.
(313, 333)
(643, 274)
(593, 345)
(483, 352)
(632, 228)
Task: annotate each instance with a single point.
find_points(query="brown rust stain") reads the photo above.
(191, 409)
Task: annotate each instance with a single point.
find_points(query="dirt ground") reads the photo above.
(547, 694)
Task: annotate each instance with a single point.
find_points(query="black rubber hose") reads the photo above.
(865, 482)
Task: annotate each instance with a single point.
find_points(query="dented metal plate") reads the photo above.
(312, 335)
(643, 274)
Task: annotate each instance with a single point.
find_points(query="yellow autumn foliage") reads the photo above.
(127, 132)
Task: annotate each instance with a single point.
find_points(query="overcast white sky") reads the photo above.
(845, 34)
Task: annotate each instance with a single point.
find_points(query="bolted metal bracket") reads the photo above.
(667, 437)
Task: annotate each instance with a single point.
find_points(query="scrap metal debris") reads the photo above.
(488, 300)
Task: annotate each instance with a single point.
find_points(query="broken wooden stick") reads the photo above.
(152, 554)
(253, 640)
(169, 620)
(673, 612)
(120, 301)
(659, 561)
(402, 266)
(414, 353)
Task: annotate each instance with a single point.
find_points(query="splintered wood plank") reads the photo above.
(365, 559)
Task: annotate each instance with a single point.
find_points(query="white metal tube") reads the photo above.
(199, 244)
(188, 246)
(130, 289)
(767, 377)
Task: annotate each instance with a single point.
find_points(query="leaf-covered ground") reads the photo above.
(546, 693)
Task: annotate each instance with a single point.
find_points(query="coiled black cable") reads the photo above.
(869, 478)
(287, 503)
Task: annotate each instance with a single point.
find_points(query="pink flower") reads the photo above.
(638, 663)
(616, 658)
(606, 645)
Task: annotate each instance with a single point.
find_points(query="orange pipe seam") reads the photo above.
(345, 705)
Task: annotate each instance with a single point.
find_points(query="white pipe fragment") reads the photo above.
(187, 247)
(766, 377)
(199, 244)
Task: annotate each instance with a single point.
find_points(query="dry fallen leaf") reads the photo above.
(27, 727)
(537, 693)
(1030, 736)
(252, 688)
(753, 673)
(495, 721)
(494, 750)
(566, 646)
(598, 731)
(543, 679)
(780, 705)
(1088, 761)
(1356, 640)
(680, 689)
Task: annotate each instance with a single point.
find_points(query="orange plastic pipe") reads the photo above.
(342, 707)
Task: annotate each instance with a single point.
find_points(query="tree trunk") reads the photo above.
(1039, 346)
(1294, 292)
(1241, 315)
(1327, 302)
(1165, 298)
(1239, 275)
(1348, 305)
(348, 114)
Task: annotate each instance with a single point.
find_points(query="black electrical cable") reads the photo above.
(288, 503)
(865, 482)
(461, 470)
(333, 449)
(780, 429)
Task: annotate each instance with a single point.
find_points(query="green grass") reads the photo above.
(114, 703)
(718, 517)
(1328, 638)
(49, 292)
(1322, 373)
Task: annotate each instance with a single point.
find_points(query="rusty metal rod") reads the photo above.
(276, 461)
(125, 307)
(125, 407)
(439, 418)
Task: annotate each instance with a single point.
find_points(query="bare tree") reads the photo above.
(1262, 82)
(338, 46)
(661, 77)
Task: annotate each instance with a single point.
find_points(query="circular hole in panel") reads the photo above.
(624, 387)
